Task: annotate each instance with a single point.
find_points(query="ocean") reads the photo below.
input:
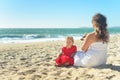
(23, 35)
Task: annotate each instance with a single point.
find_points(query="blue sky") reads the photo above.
(56, 13)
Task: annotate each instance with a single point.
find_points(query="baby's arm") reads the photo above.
(74, 51)
(73, 54)
(60, 54)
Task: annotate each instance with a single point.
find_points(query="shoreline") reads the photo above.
(41, 40)
(34, 40)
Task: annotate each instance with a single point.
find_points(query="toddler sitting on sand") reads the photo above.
(68, 52)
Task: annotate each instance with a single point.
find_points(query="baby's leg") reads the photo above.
(66, 64)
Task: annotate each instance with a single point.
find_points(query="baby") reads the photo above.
(68, 52)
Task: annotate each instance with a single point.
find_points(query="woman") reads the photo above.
(94, 47)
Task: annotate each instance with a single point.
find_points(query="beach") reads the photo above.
(35, 61)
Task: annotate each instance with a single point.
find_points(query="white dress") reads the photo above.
(95, 55)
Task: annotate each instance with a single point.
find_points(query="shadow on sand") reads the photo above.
(105, 66)
(109, 66)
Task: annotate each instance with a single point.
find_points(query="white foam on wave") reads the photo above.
(28, 41)
(6, 41)
(31, 36)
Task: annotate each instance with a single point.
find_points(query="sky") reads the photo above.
(56, 13)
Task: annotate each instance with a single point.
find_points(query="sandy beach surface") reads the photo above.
(35, 61)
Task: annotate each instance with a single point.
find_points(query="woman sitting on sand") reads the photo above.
(94, 47)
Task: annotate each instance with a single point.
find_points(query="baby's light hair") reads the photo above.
(70, 38)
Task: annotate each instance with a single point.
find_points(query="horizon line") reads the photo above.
(53, 27)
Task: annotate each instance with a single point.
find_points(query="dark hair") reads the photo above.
(100, 23)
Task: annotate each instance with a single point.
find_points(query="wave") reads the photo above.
(17, 38)
(25, 36)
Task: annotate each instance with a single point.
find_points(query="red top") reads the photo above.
(69, 51)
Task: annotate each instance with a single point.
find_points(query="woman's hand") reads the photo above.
(87, 42)
(83, 37)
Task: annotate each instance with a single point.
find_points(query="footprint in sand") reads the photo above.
(89, 76)
(110, 77)
(23, 58)
(44, 73)
(46, 64)
(25, 72)
(76, 78)
(34, 77)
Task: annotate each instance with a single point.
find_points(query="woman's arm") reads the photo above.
(87, 42)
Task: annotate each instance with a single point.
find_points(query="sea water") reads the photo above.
(24, 35)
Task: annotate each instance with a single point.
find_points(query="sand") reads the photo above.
(35, 61)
